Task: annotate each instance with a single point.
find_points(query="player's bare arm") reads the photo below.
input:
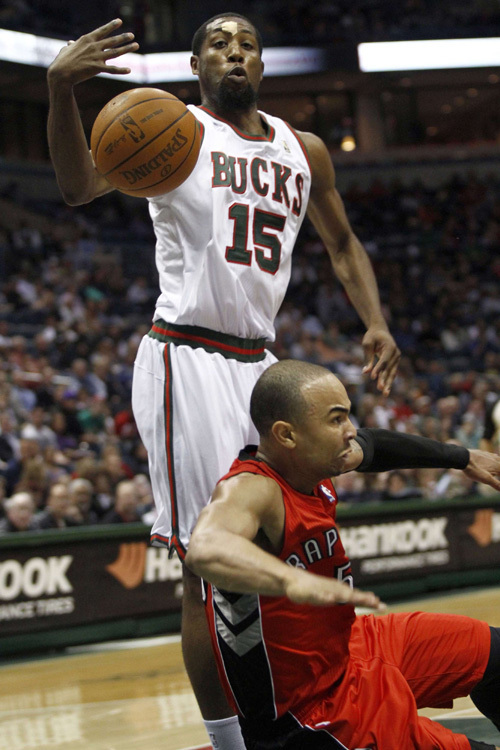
(351, 264)
(227, 547)
(78, 61)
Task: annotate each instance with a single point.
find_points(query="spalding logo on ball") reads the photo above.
(145, 142)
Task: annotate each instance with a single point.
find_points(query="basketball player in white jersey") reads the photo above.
(223, 252)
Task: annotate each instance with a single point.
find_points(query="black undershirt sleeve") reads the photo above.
(384, 450)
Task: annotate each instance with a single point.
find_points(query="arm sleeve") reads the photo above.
(384, 450)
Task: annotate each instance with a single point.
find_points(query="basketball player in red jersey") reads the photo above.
(301, 668)
(224, 246)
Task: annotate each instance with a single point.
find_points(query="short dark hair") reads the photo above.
(277, 394)
(201, 33)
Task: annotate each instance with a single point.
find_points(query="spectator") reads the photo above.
(23, 398)
(81, 497)
(57, 513)
(146, 508)
(398, 486)
(35, 428)
(126, 504)
(66, 440)
(453, 483)
(114, 465)
(15, 472)
(34, 478)
(19, 514)
(9, 439)
(490, 440)
(350, 487)
(104, 492)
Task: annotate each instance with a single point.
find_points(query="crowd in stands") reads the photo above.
(281, 22)
(78, 293)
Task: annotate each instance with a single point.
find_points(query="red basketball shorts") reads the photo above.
(400, 663)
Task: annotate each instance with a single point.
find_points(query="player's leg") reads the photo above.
(193, 416)
(441, 657)
(374, 707)
(486, 693)
(220, 719)
(212, 398)
(171, 415)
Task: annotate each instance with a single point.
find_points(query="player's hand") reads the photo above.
(382, 357)
(88, 56)
(484, 467)
(307, 588)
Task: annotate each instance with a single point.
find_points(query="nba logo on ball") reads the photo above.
(145, 142)
(132, 128)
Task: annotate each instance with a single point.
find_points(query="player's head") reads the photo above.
(302, 410)
(278, 393)
(227, 60)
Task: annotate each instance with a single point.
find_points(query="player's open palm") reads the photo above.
(308, 588)
(88, 56)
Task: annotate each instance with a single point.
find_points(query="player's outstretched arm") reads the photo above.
(377, 450)
(351, 264)
(222, 549)
(76, 62)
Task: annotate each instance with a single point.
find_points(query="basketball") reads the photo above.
(145, 142)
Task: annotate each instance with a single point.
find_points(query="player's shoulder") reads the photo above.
(250, 487)
(250, 479)
(320, 161)
(314, 144)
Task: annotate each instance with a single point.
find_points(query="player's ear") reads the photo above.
(194, 64)
(284, 434)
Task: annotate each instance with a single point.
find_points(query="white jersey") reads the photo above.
(225, 236)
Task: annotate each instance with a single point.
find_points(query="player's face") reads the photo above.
(323, 438)
(229, 66)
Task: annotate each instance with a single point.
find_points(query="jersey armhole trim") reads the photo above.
(301, 144)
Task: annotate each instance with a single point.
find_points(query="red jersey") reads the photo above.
(271, 651)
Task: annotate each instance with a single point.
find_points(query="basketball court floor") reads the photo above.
(135, 694)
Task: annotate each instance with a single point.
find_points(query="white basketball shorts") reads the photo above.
(191, 403)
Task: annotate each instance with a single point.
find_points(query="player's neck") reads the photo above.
(248, 121)
(287, 468)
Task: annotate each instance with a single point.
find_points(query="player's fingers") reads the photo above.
(366, 599)
(491, 480)
(385, 356)
(110, 53)
(119, 40)
(369, 359)
(106, 29)
(114, 70)
(386, 368)
(387, 376)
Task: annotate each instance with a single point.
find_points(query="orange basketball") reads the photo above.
(145, 142)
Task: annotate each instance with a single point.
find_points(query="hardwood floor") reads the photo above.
(135, 694)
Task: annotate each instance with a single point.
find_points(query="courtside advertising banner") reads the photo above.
(396, 546)
(61, 585)
(55, 584)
